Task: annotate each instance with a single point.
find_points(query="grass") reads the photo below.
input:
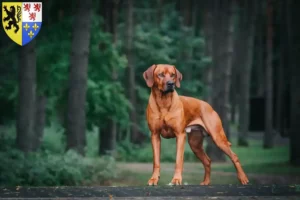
(257, 160)
(126, 178)
(261, 165)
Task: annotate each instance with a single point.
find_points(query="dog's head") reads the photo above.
(163, 76)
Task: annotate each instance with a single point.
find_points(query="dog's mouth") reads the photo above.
(169, 90)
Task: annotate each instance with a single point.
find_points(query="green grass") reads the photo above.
(255, 160)
(253, 156)
(126, 178)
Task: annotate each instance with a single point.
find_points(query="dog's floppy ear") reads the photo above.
(178, 78)
(148, 75)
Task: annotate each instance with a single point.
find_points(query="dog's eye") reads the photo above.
(172, 75)
(161, 75)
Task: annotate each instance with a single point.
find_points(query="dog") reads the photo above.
(170, 115)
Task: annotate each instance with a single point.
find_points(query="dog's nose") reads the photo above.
(170, 83)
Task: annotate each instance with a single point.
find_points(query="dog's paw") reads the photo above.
(243, 179)
(153, 180)
(205, 182)
(177, 180)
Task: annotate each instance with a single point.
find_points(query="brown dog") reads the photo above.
(170, 115)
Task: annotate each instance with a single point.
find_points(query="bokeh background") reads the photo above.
(73, 100)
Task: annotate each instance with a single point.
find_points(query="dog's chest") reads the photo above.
(165, 119)
(165, 125)
(167, 131)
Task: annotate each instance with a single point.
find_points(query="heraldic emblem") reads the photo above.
(22, 21)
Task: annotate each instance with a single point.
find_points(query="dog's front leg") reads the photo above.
(180, 142)
(155, 139)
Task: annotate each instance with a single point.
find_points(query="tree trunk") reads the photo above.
(294, 116)
(131, 72)
(222, 61)
(208, 71)
(186, 54)
(229, 31)
(76, 119)
(288, 55)
(115, 14)
(159, 12)
(195, 31)
(208, 34)
(260, 66)
(26, 97)
(235, 71)
(280, 83)
(247, 33)
(233, 94)
(295, 83)
(213, 152)
(107, 133)
(108, 130)
(268, 134)
(40, 120)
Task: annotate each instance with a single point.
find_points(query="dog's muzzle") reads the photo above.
(170, 86)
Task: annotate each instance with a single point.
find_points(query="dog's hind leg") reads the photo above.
(195, 140)
(215, 129)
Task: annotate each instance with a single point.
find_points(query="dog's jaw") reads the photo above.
(169, 90)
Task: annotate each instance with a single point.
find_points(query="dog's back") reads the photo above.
(192, 107)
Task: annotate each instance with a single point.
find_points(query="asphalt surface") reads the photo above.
(233, 192)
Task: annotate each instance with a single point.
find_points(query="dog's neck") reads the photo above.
(163, 100)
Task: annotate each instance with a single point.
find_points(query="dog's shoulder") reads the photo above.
(190, 100)
(193, 103)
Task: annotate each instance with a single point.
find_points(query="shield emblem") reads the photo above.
(22, 21)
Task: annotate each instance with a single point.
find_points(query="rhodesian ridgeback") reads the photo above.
(170, 115)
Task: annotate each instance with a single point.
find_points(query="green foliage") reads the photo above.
(9, 84)
(92, 137)
(105, 96)
(50, 167)
(54, 143)
(40, 169)
(53, 57)
(54, 139)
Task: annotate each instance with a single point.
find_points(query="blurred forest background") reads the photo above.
(73, 100)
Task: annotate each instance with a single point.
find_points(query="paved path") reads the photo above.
(157, 192)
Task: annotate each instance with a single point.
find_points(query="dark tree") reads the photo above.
(244, 55)
(131, 71)
(108, 131)
(39, 121)
(208, 34)
(223, 29)
(26, 97)
(268, 135)
(294, 44)
(76, 119)
(159, 15)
